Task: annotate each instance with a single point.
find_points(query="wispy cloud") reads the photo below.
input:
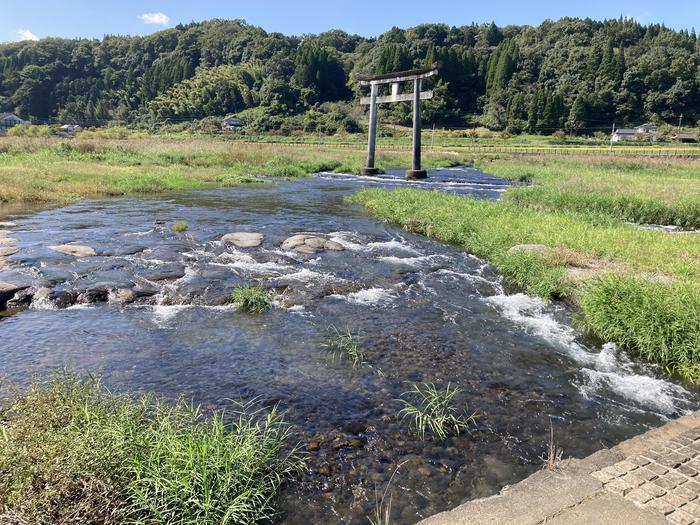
(159, 19)
(26, 34)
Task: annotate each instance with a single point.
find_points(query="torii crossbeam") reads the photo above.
(396, 79)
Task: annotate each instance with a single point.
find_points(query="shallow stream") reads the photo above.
(427, 313)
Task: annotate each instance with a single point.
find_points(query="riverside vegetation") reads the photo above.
(54, 170)
(73, 452)
(638, 288)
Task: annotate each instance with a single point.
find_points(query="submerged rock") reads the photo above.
(243, 239)
(76, 250)
(8, 291)
(8, 250)
(310, 244)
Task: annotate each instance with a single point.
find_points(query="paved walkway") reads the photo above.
(650, 479)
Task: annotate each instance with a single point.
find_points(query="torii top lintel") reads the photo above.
(399, 76)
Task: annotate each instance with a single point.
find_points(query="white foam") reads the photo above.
(309, 276)
(369, 297)
(610, 369)
(415, 262)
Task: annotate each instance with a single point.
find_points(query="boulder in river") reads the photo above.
(243, 239)
(7, 224)
(539, 249)
(310, 244)
(122, 296)
(75, 250)
(8, 291)
(6, 251)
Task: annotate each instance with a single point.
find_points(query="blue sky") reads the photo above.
(95, 18)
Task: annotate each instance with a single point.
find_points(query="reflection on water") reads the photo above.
(427, 312)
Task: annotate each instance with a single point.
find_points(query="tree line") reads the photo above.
(575, 74)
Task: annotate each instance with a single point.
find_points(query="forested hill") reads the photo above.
(575, 74)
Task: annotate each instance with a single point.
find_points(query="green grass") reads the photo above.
(584, 249)
(653, 191)
(345, 344)
(251, 299)
(657, 321)
(60, 170)
(73, 452)
(180, 227)
(433, 411)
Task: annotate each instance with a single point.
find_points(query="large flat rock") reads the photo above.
(7, 240)
(243, 239)
(8, 291)
(6, 251)
(75, 250)
(7, 224)
(310, 244)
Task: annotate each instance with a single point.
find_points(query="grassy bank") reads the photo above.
(641, 190)
(73, 452)
(621, 275)
(55, 170)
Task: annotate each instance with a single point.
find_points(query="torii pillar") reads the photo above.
(396, 79)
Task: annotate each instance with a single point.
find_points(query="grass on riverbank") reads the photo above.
(55, 170)
(650, 190)
(72, 452)
(650, 264)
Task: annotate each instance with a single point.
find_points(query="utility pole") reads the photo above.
(680, 123)
(611, 136)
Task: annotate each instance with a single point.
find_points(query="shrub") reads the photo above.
(433, 410)
(251, 299)
(73, 452)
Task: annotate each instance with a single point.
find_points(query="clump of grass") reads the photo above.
(658, 321)
(251, 299)
(554, 455)
(345, 344)
(382, 509)
(180, 227)
(432, 410)
(73, 452)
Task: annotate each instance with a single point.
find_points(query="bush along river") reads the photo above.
(111, 287)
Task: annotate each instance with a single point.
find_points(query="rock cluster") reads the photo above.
(310, 244)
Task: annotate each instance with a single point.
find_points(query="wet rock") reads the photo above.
(4, 265)
(348, 443)
(8, 291)
(7, 240)
(63, 298)
(93, 295)
(75, 250)
(41, 295)
(170, 273)
(313, 446)
(356, 427)
(325, 469)
(243, 239)
(5, 232)
(122, 296)
(310, 244)
(7, 224)
(6, 251)
(123, 250)
(539, 249)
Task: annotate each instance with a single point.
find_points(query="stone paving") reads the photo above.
(651, 479)
(665, 478)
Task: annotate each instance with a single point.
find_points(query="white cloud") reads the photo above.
(26, 34)
(159, 19)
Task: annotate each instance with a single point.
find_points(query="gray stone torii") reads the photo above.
(395, 79)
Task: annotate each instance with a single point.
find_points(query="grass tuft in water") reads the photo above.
(180, 227)
(345, 344)
(432, 410)
(553, 457)
(251, 299)
(74, 452)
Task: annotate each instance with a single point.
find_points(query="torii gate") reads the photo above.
(396, 79)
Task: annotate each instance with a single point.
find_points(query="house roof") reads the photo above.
(5, 115)
(626, 131)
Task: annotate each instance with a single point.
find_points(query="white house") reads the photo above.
(9, 120)
(644, 133)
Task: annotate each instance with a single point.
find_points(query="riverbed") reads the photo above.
(426, 312)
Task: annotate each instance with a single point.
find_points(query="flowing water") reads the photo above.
(427, 313)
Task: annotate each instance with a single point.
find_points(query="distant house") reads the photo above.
(644, 133)
(231, 123)
(687, 138)
(9, 120)
(70, 129)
